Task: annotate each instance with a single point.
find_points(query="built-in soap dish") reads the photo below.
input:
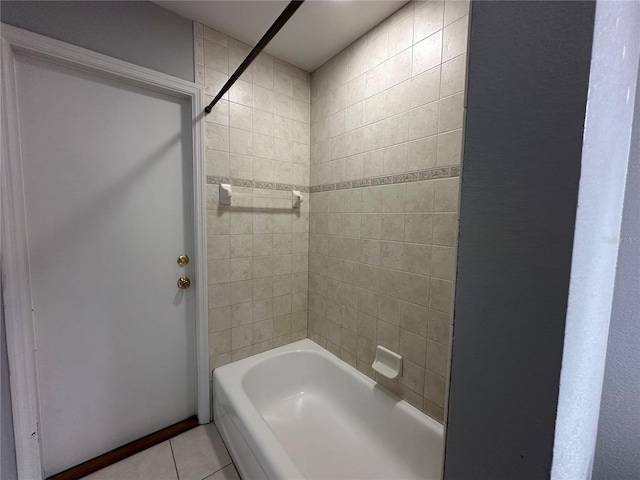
(387, 363)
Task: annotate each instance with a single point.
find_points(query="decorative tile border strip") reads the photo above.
(440, 172)
(363, 182)
(386, 180)
(241, 182)
(419, 175)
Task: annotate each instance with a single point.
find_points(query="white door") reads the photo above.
(108, 186)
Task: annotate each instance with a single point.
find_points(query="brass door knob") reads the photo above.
(183, 260)
(184, 283)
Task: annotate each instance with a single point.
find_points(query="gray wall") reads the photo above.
(527, 91)
(618, 444)
(138, 32)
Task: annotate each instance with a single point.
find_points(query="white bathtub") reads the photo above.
(300, 412)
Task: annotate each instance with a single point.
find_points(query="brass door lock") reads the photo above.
(183, 260)
(184, 283)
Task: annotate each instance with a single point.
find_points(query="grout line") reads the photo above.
(175, 465)
(221, 468)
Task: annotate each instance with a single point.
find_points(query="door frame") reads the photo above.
(13, 234)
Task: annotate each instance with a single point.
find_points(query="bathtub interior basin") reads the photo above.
(303, 413)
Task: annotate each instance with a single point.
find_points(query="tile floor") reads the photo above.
(198, 454)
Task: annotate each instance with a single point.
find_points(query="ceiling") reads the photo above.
(315, 33)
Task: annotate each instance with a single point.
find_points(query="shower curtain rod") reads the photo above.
(266, 38)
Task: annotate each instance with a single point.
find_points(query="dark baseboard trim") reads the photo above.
(120, 453)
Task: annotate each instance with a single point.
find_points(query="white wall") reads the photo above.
(607, 136)
(618, 444)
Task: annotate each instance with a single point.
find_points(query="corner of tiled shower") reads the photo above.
(374, 139)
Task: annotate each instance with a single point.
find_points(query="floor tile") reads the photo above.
(227, 473)
(155, 463)
(199, 452)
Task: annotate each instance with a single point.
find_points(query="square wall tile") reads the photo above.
(428, 52)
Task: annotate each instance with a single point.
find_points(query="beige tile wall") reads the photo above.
(257, 247)
(372, 264)
(392, 101)
(382, 258)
